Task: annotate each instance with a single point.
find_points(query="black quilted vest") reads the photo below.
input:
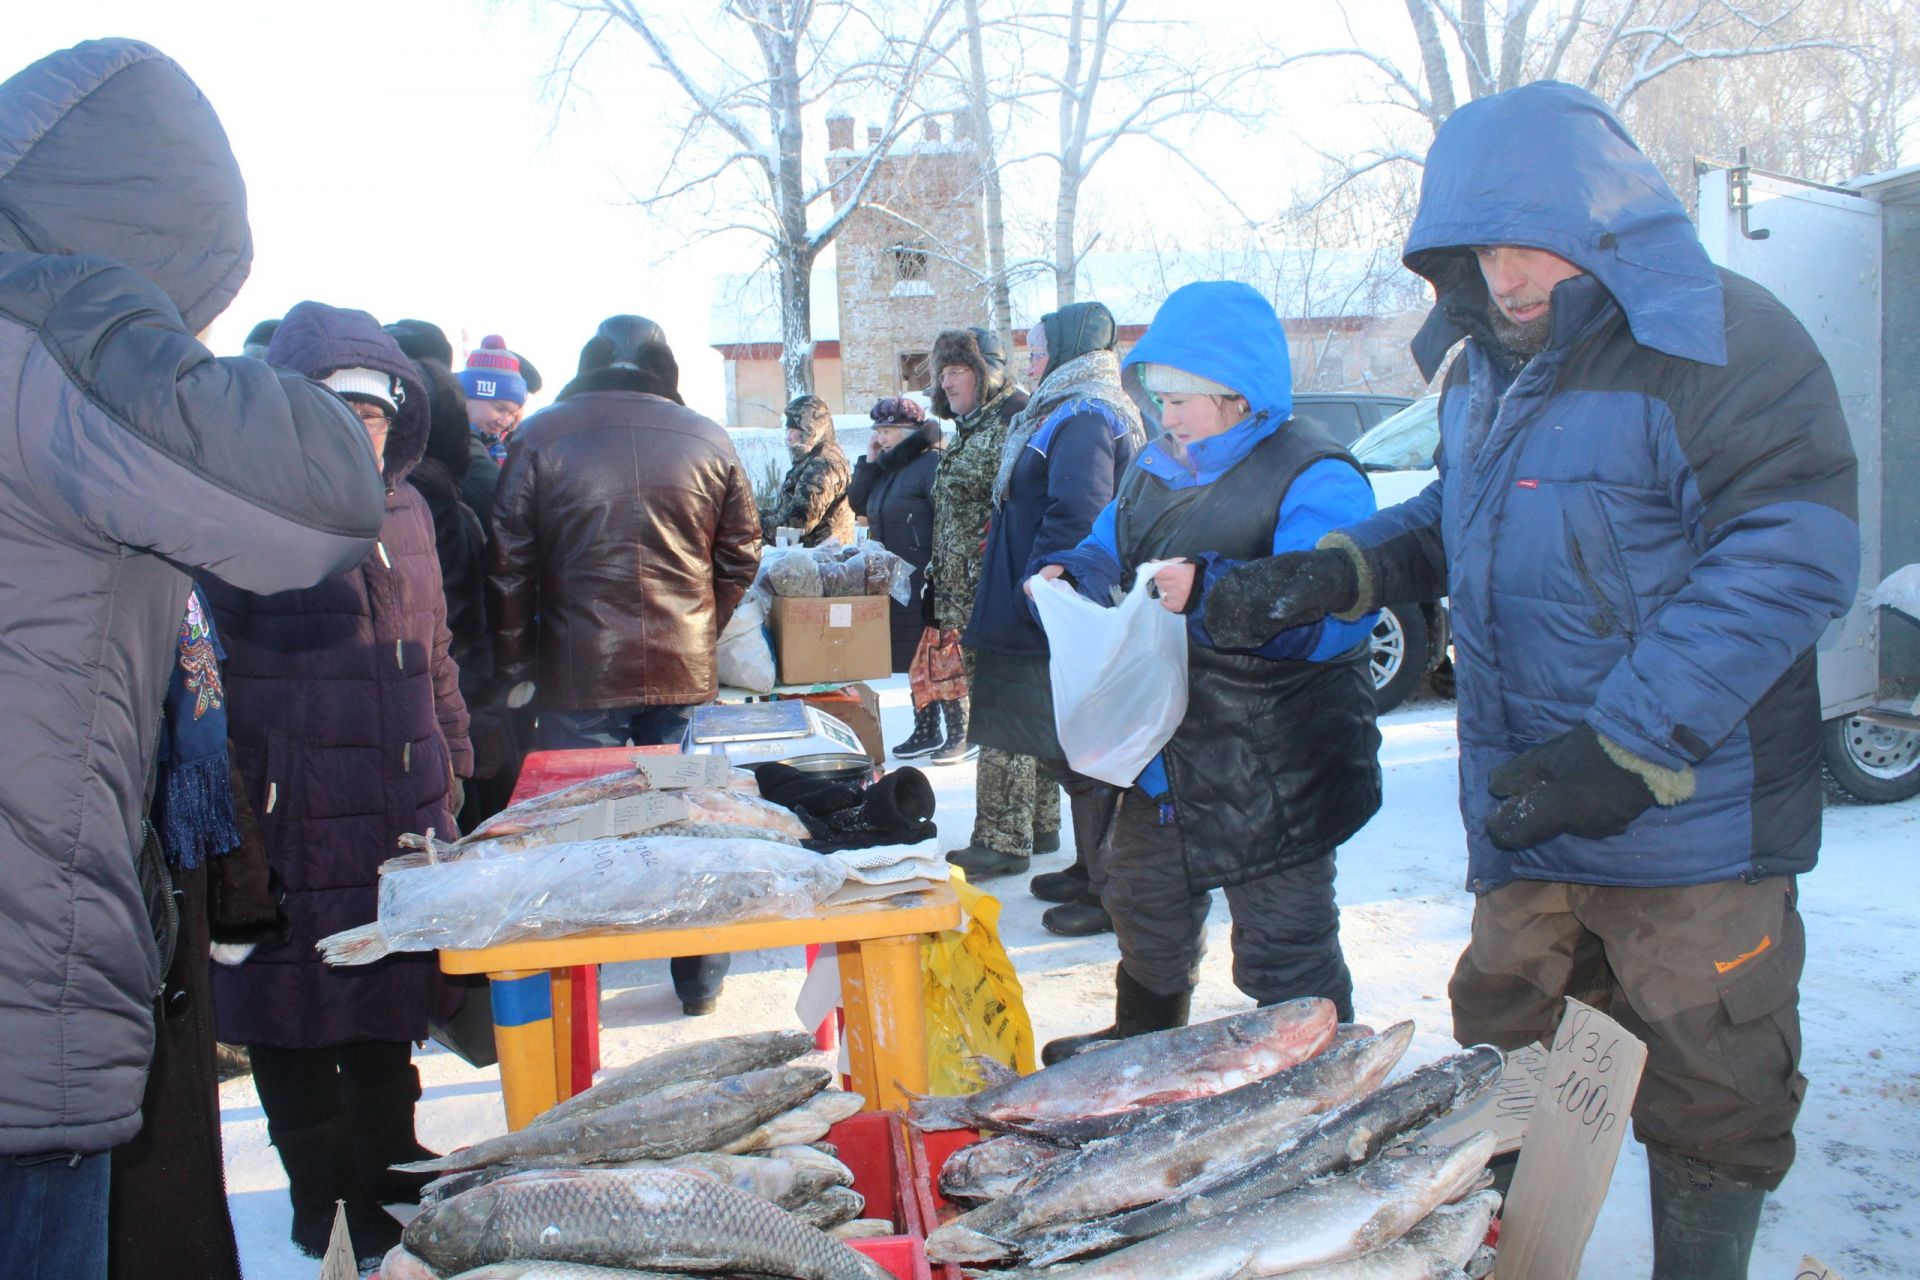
(1276, 762)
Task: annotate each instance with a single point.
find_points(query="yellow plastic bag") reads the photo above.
(974, 1003)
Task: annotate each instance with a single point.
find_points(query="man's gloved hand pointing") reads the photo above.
(1258, 600)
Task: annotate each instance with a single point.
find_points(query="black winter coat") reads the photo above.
(895, 494)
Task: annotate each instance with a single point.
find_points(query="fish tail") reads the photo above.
(938, 1111)
(363, 945)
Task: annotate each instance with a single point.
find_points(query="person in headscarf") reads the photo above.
(812, 500)
(1062, 460)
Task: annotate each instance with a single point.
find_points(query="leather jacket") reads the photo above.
(625, 533)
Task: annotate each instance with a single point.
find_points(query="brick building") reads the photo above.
(911, 262)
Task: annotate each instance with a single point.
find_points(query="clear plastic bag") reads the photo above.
(742, 657)
(641, 882)
(864, 569)
(1119, 675)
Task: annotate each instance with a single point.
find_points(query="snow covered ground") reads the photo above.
(1853, 1199)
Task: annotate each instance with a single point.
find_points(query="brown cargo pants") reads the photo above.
(1707, 975)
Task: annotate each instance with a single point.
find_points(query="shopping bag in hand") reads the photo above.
(1119, 675)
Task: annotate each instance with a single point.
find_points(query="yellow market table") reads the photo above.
(880, 986)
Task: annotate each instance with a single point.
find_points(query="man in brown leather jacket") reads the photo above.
(624, 535)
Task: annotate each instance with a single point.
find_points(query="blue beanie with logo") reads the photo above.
(493, 373)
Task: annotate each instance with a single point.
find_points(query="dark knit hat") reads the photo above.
(422, 340)
(977, 349)
(897, 411)
(493, 373)
(257, 339)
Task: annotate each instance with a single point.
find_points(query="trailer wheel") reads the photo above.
(1873, 762)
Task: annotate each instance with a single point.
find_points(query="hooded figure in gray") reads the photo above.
(129, 456)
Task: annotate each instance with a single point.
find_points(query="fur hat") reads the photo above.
(897, 411)
(422, 340)
(976, 349)
(493, 373)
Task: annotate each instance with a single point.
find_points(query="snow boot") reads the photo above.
(956, 749)
(320, 1171)
(926, 737)
(380, 1121)
(1080, 919)
(982, 863)
(1061, 886)
(1703, 1221)
(1136, 1011)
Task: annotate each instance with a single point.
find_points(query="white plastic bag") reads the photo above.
(1119, 675)
(742, 658)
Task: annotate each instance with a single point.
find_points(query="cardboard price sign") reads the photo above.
(672, 773)
(1573, 1141)
(1811, 1268)
(626, 816)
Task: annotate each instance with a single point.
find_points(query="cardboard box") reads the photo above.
(832, 638)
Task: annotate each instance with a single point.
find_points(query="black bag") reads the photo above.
(468, 1031)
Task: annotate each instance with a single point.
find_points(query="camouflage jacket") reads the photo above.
(813, 498)
(962, 501)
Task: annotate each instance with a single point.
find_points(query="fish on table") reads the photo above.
(712, 1059)
(1438, 1248)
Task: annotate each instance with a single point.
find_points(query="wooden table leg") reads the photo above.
(880, 984)
(523, 1033)
(563, 1012)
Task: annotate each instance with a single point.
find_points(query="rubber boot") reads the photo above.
(380, 1122)
(1062, 886)
(1703, 1221)
(956, 749)
(319, 1165)
(926, 737)
(1136, 1011)
(982, 863)
(1081, 919)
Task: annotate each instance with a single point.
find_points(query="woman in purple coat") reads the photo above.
(348, 730)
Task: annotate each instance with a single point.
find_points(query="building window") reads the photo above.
(909, 262)
(916, 370)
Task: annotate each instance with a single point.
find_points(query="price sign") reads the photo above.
(1580, 1112)
(670, 773)
(626, 816)
(1811, 1268)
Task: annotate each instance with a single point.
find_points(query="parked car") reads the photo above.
(1409, 643)
(1347, 414)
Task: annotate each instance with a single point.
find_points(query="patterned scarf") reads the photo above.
(193, 801)
(1090, 381)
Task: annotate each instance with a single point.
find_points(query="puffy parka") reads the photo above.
(129, 456)
(347, 724)
(1646, 526)
(895, 495)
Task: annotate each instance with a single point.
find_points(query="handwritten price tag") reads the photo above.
(1811, 1268)
(1573, 1141)
(670, 773)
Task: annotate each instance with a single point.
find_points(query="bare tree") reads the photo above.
(749, 76)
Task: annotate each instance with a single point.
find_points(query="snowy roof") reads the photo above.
(1300, 283)
(746, 306)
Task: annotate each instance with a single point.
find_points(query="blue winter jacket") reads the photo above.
(1646, 527)
(1228, 334)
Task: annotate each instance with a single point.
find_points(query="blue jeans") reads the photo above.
(53, 1216)
(611, 727)
(695, 978)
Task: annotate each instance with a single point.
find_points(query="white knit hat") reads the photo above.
(367, 382)
(1165, 380)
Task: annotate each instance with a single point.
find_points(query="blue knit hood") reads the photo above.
(1548, 166)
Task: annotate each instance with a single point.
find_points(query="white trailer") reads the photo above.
(1846, 261)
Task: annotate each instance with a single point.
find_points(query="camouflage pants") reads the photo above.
(1015, 800)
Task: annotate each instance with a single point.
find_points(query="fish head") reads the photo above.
(1454, 1231)
(1376, 1056)
(441, 1233)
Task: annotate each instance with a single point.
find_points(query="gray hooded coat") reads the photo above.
(128, 455)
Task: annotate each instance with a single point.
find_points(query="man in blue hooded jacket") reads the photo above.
(1645, 517)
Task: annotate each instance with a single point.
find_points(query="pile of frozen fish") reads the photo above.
(1267, 1143)
(610, 852)
(705, 1158)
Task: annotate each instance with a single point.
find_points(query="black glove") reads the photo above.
(1253, 603)
(1569, 786)
(927, 616)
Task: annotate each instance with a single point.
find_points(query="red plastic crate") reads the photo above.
(873, 1145)
(930, 1151)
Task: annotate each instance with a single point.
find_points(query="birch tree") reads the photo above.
(751, 76)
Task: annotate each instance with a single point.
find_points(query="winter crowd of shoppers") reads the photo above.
(264, 615)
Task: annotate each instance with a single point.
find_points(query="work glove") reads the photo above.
(1579, 784)
(1256, 601)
